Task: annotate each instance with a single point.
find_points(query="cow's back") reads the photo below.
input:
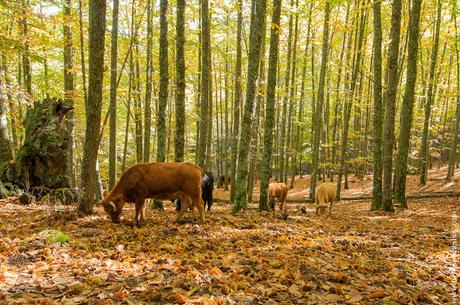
(326, 191)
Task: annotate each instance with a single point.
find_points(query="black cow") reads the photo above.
(207, 186)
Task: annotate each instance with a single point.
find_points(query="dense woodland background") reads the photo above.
(247, 90)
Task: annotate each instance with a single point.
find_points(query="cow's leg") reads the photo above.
(143, 208)
(284, 208)
(140, 205)
(211, 200)
(185, 204)
(199, 204)
(330, 207)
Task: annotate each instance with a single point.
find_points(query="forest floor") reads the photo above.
(352, 257)
(363, 187)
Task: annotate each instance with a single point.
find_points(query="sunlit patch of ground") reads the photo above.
(352, 257)
(363, 187)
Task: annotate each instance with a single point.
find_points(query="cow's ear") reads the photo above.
(105, 194)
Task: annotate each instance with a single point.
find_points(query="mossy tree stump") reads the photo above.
(43, 159)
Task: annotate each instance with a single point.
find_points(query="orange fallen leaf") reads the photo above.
(377, 294)
(181, 299)
(120, 295)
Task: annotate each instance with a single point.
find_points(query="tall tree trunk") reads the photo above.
(378, 109)
(93, 105)
(69, 89)
(407, 106)
(113, 98)
(148, 86)
(238, 91)
(179, 143)
(389, 99)
(6, 153)
(284, 114)
(205, 82)
(163, 97)
(300, 119)
(319, 108)
(455, 129)
(424, 150)
(82, 52)
(27, 69)
(255, 43)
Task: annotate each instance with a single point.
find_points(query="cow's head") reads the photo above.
(112, 206)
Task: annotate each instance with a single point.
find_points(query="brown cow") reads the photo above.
(160, 181)
(278, 190)
(325, 193)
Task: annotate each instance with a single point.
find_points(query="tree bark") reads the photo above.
(163, 94)
(69, 89)
(389, 99)
(424, 150)
(407, 106)
(180, 82)
(320, 97)
(255, 43)
(205, 83)
(93, 106)
(148, 86)
(378, 109)
(237, 99)
(113, 98)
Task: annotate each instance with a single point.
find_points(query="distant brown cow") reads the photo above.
(160, 181)
(278, 190)
(325, 193)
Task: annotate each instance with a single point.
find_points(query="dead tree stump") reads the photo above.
(43, 158)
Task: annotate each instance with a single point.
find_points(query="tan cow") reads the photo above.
(278, 190)
(325, 193)
(160, 181)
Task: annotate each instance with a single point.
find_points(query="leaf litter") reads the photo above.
(353, 257)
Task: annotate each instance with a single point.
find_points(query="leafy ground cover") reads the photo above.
(353, 257)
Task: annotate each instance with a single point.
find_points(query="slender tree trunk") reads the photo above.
(424, 150)
(6, 153)
(148, 86)
(69, 90)
(284, 114)
(113, 98)
(389, 99)
(163, 97)
(255, 43)
(205, 82)
(27, 73)
(93, 105)
(455, 128)
(407, 106)
(266, 164)
(319, 108)
(237, 99)
(180, 82)
(378, 109)
(82, 52)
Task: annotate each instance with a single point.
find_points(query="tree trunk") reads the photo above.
(284, 114)
(269, 124)
(424, 150)
(255, 43)
(69, 89)
(205, 82)
(163, 94)
(180, 83)
(237, 99)
(148, 86)
(82, 52)
(27, 69)
(455, 133)
(93, 105)
(407, 106)
(113, 99)
(378, 109)
(6, 153)
(320, 97)
(389, 99)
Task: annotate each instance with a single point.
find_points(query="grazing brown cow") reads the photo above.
(325, 193)
(278, 190)
(160, 181)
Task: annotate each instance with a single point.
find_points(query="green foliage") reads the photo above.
(55, 236)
